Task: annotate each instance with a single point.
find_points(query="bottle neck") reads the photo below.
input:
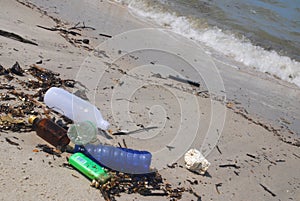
(35, 123)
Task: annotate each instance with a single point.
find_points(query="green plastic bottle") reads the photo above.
(89, 168)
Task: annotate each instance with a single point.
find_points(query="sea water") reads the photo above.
(261, 34)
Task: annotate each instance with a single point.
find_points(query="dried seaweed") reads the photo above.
(146, 185)
(49, 150)
(3, 71)
(16, 69)
(22, 96)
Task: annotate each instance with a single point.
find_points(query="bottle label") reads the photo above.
(81, 160)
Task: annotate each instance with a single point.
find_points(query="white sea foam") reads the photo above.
(240, 50)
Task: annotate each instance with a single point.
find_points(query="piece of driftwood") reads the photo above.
(16, 37)
(268, 190)
(65, 31)
(78, 27)
(196, 84)
(229, 165)
(11, 142)
(105, 35)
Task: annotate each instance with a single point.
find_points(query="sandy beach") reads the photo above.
(245, 123)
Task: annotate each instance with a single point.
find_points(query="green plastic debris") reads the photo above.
(89, 168)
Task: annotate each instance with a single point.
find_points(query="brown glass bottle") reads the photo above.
(50, 132)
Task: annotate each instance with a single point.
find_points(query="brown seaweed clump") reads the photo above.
(146, 185)
(22, 92)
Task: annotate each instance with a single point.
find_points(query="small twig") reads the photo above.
(196, 84)
(268, 190)
(135, 131)
(60, 30)
(81, 27)
(124, 143)
(11, 142)
(16, 37)
(218, 149)
(236, 173)
(251, 156)
(217, 187)
(74, 175)
(265, 157)
(47, 149)
(229, 165)
(43, 69)
(105, 35)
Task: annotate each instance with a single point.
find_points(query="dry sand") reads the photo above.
(253, 146)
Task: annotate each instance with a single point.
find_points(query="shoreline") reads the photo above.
(247, 140)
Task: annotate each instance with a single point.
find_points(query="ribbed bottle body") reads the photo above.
(119, 159)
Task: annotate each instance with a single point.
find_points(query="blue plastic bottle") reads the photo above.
(119, 159)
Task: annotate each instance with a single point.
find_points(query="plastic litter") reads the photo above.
(83, 133)
(89, 168)
(74, 107)
(119, 159)
(196, 162)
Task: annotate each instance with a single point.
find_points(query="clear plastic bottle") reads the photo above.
(119, 159)
(74, 107)
(83, 133)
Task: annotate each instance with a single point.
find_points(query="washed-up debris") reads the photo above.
(89, 168)
(6, 86)
(219, 150)
(196, 84)
(18, 104)
(78, 26)
(6, 97)
(230, 165)
(236, 173)
(105, 35)
(11, 142)
(124, 143)
(195, 182)
(173, 165)
(218, 185)
(70, 35)
(53, 98)
(196, 162)
(280, 160)
(16, 37)
(3, 71)
(49, 150)
(272, 162)
(16, 69)
(268, 190)
(296, 155)
(251, 156)
(9, 119)
(146, 185)
(191, 191)
(125, 132)
(62, 30)
(50, 132)
(8, 122)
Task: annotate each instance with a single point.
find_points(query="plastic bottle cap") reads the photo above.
(104, 125)
(31, 119)
(70, 147)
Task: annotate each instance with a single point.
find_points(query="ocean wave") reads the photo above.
(238, 48)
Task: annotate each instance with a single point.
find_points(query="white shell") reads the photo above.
(196, 162)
